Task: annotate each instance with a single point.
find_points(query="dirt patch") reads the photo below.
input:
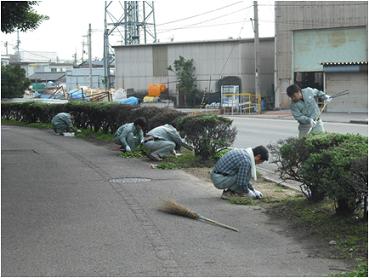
(270, 190)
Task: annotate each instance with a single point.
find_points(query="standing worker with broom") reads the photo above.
(305, 109)
(234, 170)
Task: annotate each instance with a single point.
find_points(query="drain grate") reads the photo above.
(129, 180)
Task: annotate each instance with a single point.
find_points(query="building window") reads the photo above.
(53, 70)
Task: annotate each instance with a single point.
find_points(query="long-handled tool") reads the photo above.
(173, 207)
(339, 94)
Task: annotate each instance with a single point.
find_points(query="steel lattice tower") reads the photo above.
(126, 23)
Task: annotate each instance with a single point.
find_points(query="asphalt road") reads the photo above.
(253, 132)
(73, 208)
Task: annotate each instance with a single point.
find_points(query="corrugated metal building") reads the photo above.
(323, 45)
(81, 77)
(139, 65)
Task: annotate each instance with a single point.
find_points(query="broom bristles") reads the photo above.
(173, 207)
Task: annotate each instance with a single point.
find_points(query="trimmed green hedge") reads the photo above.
(329, 164)
(97, 116)
(208, 133)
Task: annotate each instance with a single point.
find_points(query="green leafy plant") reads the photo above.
(208, 133)
(361, 270)
(326, 165)
(185, 73)
(19, 15)
(13, 81)
(103, 117)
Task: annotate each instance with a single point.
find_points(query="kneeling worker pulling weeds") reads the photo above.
(234, 170)
(163, 141)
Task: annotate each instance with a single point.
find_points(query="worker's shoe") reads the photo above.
(241, 194)
(154, 157)
(227, 194)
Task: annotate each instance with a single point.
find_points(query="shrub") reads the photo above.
(103, 117)
(326, 164)
(165, 117)
(359, 181)
(13, 81)
(289, 156)
(335, 169)
(207, 133)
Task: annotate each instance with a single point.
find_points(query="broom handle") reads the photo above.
(217, 223)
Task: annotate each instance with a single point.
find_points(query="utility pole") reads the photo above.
(257, 60)
(6, 48)
(75, 58)
(106, 53)
(18, 43)
(83, 50)
(90, 54)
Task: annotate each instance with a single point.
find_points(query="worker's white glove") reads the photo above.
(258, 194)
(251, 194)
(328, 99)
(312, 122)
(142, 140)
(128, 149)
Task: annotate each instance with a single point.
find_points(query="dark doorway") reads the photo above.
(309, 79)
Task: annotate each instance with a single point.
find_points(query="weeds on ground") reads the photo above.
(349, 234)
(34, 125)
(186, 159)
(138, 153)
(90, 134)
(361, 270)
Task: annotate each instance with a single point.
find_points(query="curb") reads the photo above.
(359, 122)
(282, 183)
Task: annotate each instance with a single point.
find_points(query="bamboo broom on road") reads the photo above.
(172, 207)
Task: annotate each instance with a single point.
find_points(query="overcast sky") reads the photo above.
(177, 20)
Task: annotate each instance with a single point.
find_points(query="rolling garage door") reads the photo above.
(356, 83)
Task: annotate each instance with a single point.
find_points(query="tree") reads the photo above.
(19, 15)
(13, 81)
(185, 72)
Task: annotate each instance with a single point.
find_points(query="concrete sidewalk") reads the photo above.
(78, 209)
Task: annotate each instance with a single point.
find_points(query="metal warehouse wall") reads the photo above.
(356, 101)
(292, 16)
(81, 77)
(137, 66)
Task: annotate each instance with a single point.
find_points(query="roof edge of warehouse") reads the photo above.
(195, 42)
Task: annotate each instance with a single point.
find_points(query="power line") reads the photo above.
(202, 26)
(230, 53)
(207, 12)
(316, 4)
(207, 20)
